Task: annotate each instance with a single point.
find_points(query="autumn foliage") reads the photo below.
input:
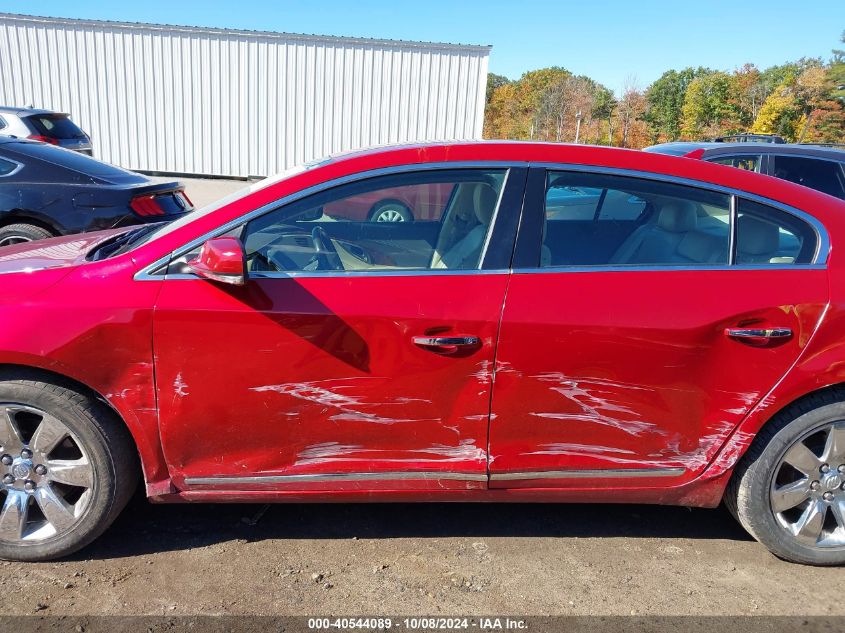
(802, 101)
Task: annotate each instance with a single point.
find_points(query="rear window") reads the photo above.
(74, 161)
(56, 126)
(749, 162)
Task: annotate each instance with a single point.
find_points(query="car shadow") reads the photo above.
(145, 528)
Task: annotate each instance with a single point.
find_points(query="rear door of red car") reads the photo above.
(321, 378)
(626, 361)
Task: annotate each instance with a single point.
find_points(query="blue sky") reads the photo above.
(610, 40)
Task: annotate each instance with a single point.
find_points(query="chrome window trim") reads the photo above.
(426, 475)
(658, 268)
(18, 167)
(822, 241)
(595, 473)
(348, 274)
(147, 273)
(732, 224)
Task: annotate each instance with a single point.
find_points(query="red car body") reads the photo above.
(586, 386)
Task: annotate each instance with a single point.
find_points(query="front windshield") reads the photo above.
(226, 200)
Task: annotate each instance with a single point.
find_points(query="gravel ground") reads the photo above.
(448, 559)
(459, 559)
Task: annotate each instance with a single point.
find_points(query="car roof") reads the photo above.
(711, 148)
(26, 111)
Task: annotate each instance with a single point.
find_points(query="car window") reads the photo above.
(2, 123)
(450, 215)
(56, 126)
(747, 162)
(608, 220)
(7, 167)
(823, 175)
(404, 203)
(564, 202)
(770, 236)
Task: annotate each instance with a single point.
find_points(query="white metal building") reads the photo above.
(237, 103)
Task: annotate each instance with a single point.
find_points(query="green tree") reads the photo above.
(494, 81)
(836, 73)
(708, 109)
(665, 100)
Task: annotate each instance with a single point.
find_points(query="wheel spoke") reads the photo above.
(13, 516)
(837, 507)
(808, 527)
(790, 495)
(834, 448)
(48, 434)
(73, 472)
(57, 512)
(803, 459)
(10, 436)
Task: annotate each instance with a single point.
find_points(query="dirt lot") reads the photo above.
(460, 559)
(457, 559)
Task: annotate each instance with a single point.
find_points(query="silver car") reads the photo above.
(51, 127)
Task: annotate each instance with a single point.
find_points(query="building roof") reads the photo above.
(224, 32)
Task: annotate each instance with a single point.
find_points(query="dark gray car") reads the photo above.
(55, 128)
(819, 167)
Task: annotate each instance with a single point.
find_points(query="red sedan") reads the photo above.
(578, 324)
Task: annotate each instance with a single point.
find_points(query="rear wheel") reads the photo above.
(67, 468)
(19, 233)
(789, 489)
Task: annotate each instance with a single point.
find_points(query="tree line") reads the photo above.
(802, 101)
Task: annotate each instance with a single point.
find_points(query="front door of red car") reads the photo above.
(357, 355)
(647, 332)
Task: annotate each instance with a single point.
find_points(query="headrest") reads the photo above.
(756, 237)
(677, 217)
(704, 248)
(484, 202)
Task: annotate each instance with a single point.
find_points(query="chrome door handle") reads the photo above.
(446, 344)
(446, 341)
(759, 335)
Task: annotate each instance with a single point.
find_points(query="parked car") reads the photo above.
(47, 191)
(55, 128)
(686, 351)
(403, 204)
(819, 167)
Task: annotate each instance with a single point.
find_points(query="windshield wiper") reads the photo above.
(121, 243)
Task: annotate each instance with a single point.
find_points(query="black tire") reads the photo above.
(397, 211)
(109, 449)
(748, 495)
(15, 233)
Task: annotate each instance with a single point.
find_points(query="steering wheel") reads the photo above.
(327, 257)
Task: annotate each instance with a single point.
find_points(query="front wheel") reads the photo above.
(67, 467)
(788, 491)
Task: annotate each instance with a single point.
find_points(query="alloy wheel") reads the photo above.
(47, 477)
(808, 488)
(390, 214)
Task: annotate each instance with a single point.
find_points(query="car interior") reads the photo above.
(302, 237)
(665, 225)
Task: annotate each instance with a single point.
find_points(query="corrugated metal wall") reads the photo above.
(237, 103)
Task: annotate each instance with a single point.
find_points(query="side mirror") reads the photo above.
(221, 259)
